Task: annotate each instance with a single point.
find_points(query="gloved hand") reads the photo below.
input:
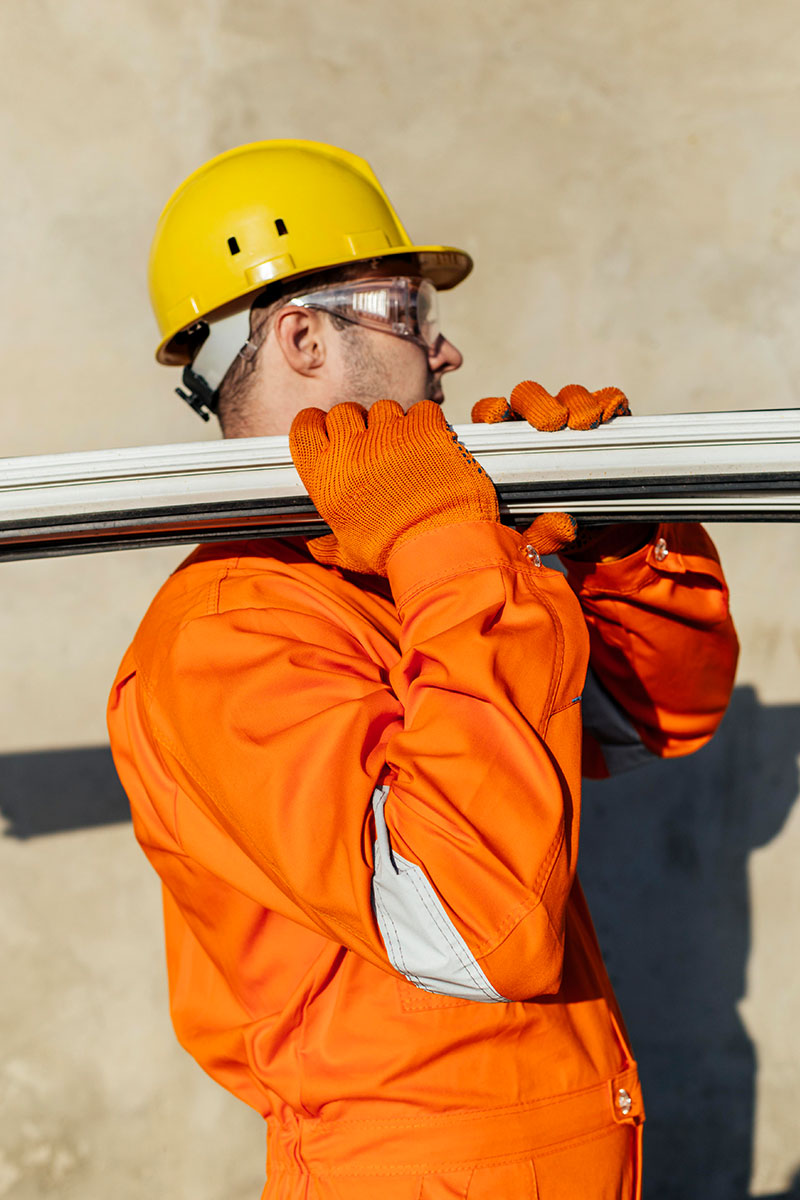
(381, 477)
(576, 408)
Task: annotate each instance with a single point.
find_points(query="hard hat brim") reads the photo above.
(444, 266)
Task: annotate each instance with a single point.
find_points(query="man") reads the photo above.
(355, 763)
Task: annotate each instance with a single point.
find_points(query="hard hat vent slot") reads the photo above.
(280, 226)
(233, 245)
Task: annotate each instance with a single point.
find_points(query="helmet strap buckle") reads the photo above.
(200, 396)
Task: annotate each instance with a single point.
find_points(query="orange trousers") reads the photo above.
(581, 1147)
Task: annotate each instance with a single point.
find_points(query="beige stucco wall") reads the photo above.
(627, 177)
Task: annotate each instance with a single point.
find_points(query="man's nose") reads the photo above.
(444, 356)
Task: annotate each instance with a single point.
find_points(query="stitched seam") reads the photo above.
(395, 949)
(440, 922)
(514, 918)
(465, 569)
(527, 907)
(596, 1136)
(437, 1166)
(414, 999)
(475, 1114)
(652, 575)
(457, 949)
(548, 861)
(175, 824)
(558, 667)
(212, 596)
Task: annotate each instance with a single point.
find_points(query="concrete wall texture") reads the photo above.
(627, 177)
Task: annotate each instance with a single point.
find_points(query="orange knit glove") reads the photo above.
(381, 477)
(574, 407)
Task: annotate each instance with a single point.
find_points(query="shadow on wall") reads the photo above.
(664, 863)
(54, 791)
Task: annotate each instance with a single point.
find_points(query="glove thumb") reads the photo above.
(551, 532)
(329, 553)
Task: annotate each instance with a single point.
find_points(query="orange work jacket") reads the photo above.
(363, 799)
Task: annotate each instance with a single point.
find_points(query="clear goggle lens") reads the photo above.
(403, 307)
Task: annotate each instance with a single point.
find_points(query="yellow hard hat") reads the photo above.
(269, 211)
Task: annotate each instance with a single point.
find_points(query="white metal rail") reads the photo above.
(741, 466)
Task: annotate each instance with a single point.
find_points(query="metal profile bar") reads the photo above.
(704, 466)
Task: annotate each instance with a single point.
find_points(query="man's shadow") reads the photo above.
(664, 855)
(55, 791)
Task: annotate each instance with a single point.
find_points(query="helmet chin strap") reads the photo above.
(226, 339)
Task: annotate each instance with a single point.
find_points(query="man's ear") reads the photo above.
(301, 335)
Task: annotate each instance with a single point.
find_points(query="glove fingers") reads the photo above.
(612, 402)
(574, 406)
(491, 410)
(424, 417)
(383, 413)
(345, 419)
(584, 411)
(551, 532)
(307, 438)
(538, 407)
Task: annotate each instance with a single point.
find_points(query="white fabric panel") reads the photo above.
(622, 747)
(225, 339)
(420, 939)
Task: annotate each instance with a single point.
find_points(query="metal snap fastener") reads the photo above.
(660, 550)
(624, 1102)
(533, 555)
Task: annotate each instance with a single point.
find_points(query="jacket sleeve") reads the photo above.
(663, 650)
(424, 815)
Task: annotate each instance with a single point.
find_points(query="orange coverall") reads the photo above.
(363, 799)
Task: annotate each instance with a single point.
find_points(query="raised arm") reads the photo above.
(411, 794)
(663, 648)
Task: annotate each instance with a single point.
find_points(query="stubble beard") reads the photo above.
(368, 377)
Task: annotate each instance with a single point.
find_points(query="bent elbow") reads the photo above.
(530, 961)
(424, 945)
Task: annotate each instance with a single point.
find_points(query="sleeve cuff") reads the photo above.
(675, 548)
(452, 550)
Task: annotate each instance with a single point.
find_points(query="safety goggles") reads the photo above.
(401, 306)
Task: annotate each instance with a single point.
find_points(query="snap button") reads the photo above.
(624, 1102)
(660, 550)
(533, 554)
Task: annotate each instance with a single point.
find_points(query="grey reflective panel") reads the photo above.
(421, 941)
(622, 747)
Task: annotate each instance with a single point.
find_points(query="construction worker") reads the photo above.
(355, 762)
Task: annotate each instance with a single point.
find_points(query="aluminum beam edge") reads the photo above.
(700, 466)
